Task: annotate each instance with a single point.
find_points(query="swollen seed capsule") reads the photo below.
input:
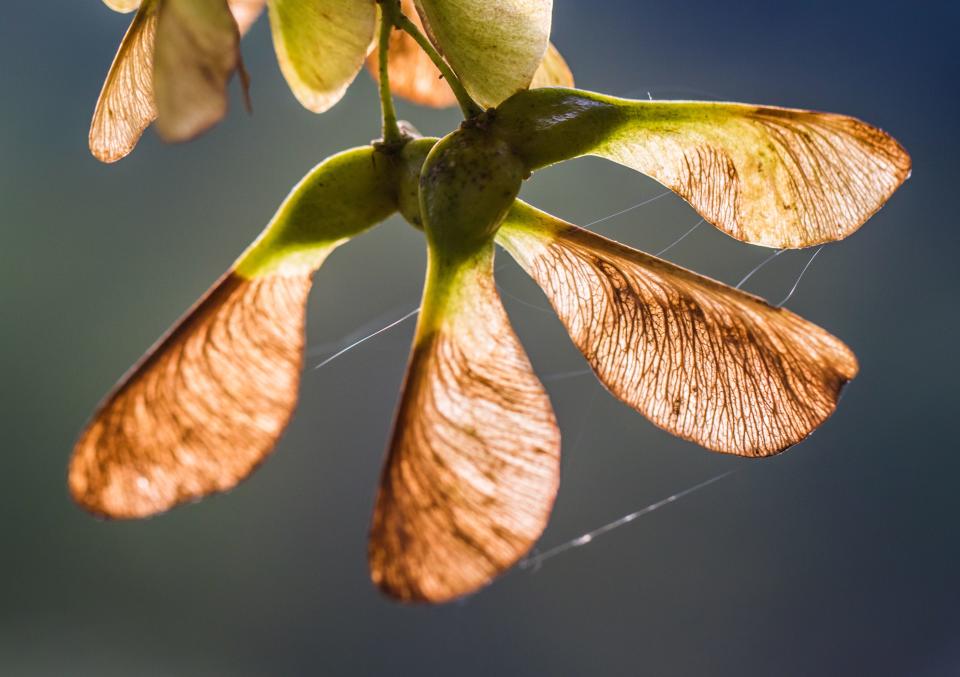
(467, 185)
(412, 157)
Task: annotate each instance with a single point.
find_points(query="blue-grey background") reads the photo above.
(839, 557)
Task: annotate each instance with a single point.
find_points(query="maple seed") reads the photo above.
(473, 465)
(467, 185)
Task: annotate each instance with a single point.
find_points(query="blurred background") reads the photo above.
(838, 557)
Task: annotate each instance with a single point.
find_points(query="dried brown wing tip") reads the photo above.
(412, 74)
(701, 360)
(473, 466)
(834, 173)
(125, 107)
(203, 408)
(771, 176)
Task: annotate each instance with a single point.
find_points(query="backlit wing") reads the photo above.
(125, 107)
(473, 465)
(208, 402)
(321, 46)
(702, 360)
(494, 46)
(770, 176)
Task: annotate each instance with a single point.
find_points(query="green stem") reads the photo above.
(391, 130)
(467, 105)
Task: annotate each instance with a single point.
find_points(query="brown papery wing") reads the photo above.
(770, 176)
(473, 466)
(125, 107)
(702, 360)
(203, 408)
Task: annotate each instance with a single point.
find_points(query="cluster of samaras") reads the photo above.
(473, 462)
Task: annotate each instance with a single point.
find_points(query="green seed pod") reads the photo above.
(468, 182)
(412, 157)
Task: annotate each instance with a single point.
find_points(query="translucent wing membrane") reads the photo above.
(414, 77)
(702, 360)
(203, 408)
(321, 46)
(770, 176)
(125, 107)
(210, 400)
(494, 46)
(197, 52)
(473, 465)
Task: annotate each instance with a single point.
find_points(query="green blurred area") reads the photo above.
(838, 557)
